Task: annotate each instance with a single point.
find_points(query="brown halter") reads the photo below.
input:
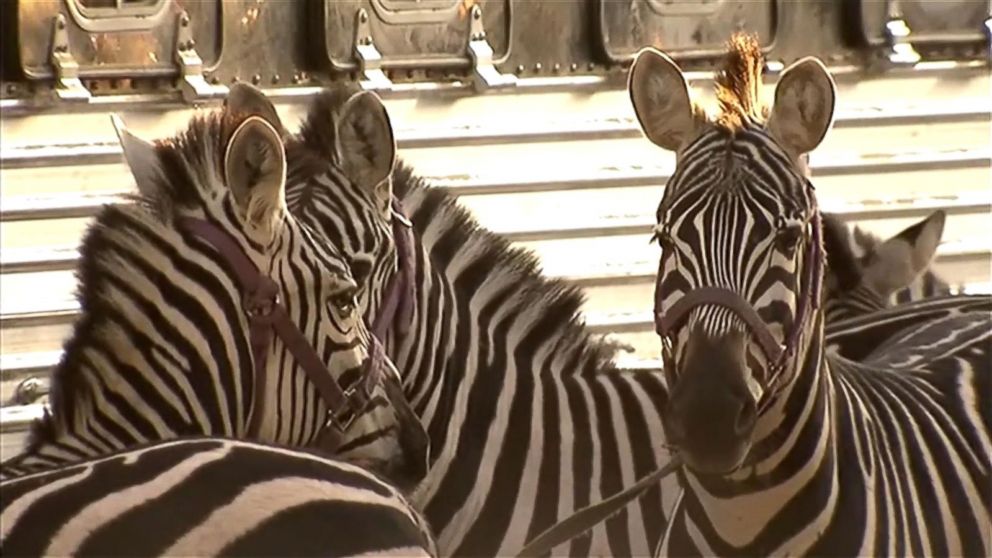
(778, 355)
(267, 316)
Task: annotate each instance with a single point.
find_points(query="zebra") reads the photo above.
(528, 416)
(175, 336)
(789, 451)
(208, 497)
(865, 274)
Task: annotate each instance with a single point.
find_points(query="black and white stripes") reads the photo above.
(528, 418)
(164, 347)
(208, 497)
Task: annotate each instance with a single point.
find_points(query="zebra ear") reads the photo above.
(255, 171)
(661, 100)
(898, 261)
(141, 158)
(366, 146)
(247, 99)
(804, 106)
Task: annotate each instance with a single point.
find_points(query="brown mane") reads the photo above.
(738, 84)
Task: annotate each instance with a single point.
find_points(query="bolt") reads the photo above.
(537, 67)
(60, 23)
(184, 20)
(256, 79)
(573, 67)
(476, 12)
(557, 67)
(275, 78)
(190, 44)
(363, 16)
(520, 69)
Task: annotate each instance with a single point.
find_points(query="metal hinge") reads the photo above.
(193, 84)
(897, 33)
(68, 87)
(369, 57)
(481, 53)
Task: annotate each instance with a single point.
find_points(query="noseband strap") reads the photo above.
(667, 322)
(266, 315)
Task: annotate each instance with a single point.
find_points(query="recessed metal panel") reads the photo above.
(682, 28)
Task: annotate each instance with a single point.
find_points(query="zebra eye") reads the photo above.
(787, 239)
(662, 234)
(344, 302)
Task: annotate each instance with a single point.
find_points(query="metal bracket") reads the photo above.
(481, 53)
(68, 87)
(897, 33)
(369, 57)
(194, 86)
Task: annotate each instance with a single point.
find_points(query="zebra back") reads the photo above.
(208, 497)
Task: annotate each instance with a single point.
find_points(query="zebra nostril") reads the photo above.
(746, 417)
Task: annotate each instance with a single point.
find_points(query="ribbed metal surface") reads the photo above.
(563, 173)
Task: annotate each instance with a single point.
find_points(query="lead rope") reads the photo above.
(589, 516)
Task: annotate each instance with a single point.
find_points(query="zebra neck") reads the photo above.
(528, 418)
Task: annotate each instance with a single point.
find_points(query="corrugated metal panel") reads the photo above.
(563, 173)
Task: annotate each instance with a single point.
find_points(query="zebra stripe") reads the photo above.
(208, 497)
(866, 274)
(825, 456)
(163, 346)
(528, 418)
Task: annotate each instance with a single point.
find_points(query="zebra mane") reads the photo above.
(557, 300)
(842, 263)
(738, 84)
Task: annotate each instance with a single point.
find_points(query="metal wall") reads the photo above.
(559, 168)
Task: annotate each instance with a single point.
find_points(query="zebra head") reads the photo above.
(865, 273)
(738, 228)
(228, 170)
(340, 183)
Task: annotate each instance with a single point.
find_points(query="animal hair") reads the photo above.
(738, 84)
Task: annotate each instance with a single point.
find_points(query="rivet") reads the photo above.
(184, 20)
(557, 67)
(363, 16)
(235, 79)
(537, 67)
(60, 23)
(275, 78)
(520, 69)
(256, 79)
(190, 44)
(296, 77)
(476, 13)
(573, 67)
